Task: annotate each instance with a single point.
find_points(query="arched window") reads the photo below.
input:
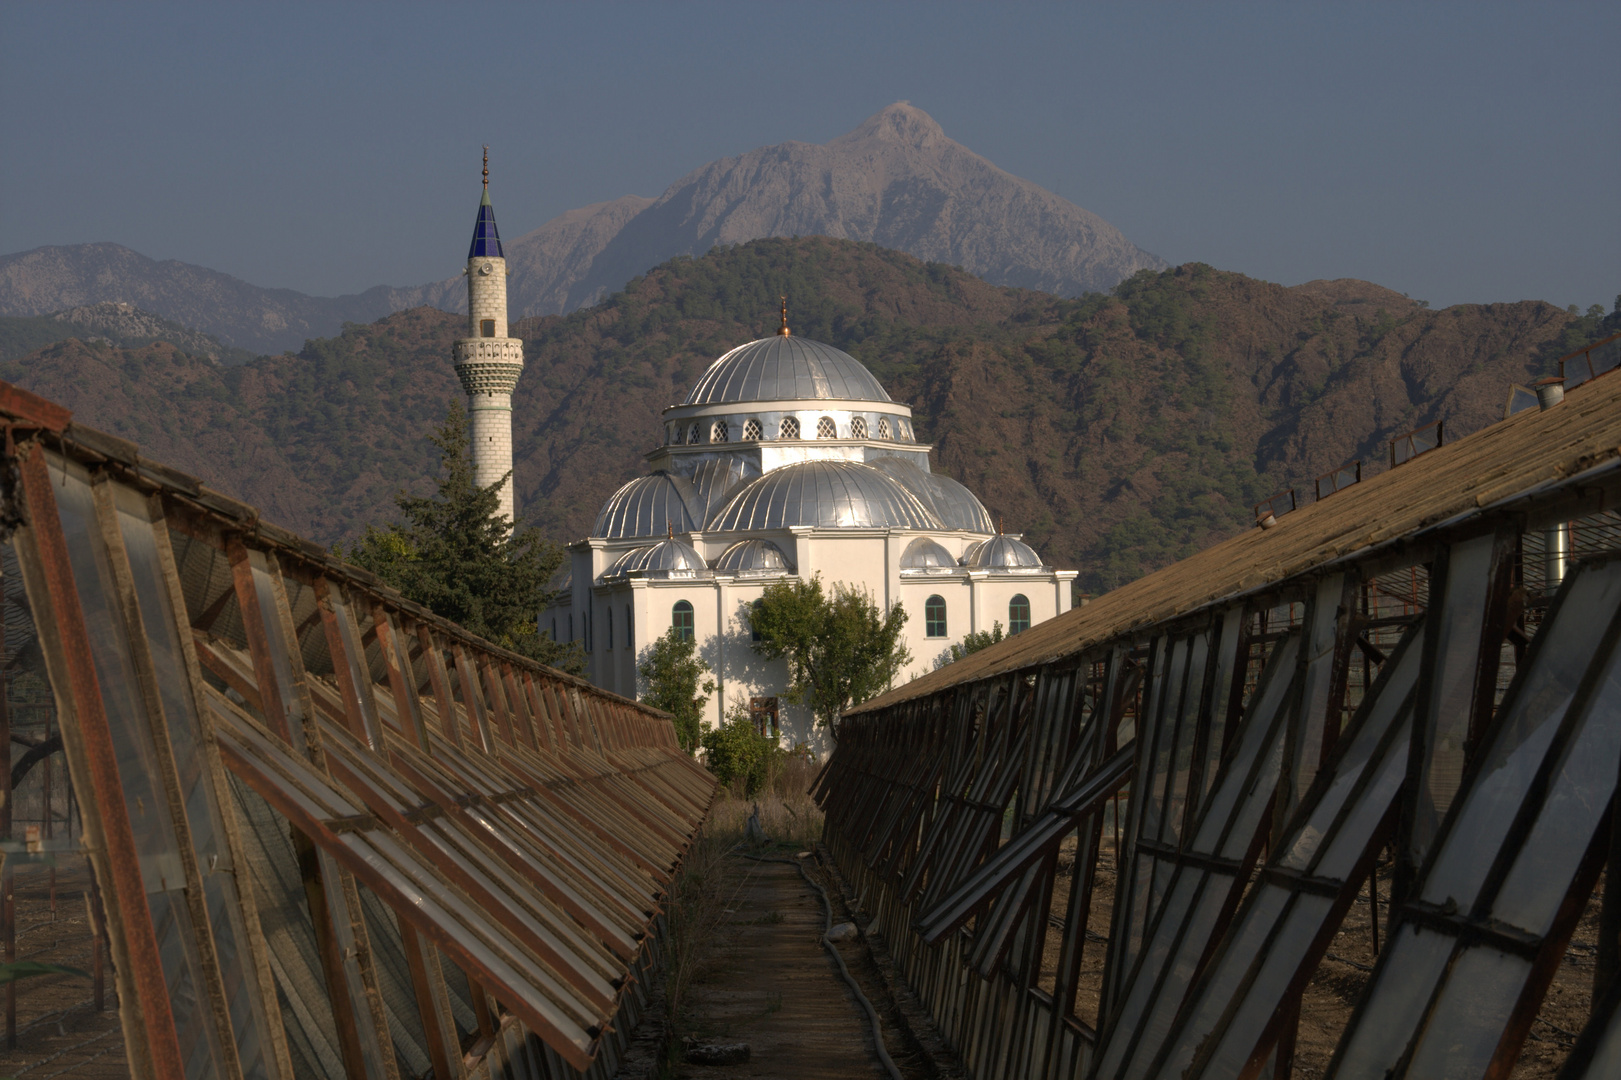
(692, 436)
(571, 626)
(678, 434)
(883, 427)
(858, 428)
(630, 629)
(610, 635)
(751, 431)
(934, 616)
(718, 433)
(826, 428)
(789, 428)
(754, 631)
(681, 620)
(554, 629)
(1018, 614)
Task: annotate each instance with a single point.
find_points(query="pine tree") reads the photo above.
(459, 556)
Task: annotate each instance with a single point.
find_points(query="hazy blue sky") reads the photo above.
(1456, 152)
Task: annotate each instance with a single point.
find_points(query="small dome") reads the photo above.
(665, 559)
(1003, 553)
(953, 504)
(828, 494)
(785, 369)
(650, 506)
(754, 557)
(926, 556)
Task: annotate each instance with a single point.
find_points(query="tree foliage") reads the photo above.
(841, 647)
(736, 751)
(458, 555)
(972, 642)
(673, 675)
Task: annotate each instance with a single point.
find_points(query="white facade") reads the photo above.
(488, 362)
(792, 443)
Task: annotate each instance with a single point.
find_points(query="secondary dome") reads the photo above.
(928, 557)
(785, 368)
(829, 494)
(665, 559)
(952, 503)
(650, 506)
(1005, 554)
(754, 558)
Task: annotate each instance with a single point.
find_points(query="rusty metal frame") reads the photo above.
(550, 815)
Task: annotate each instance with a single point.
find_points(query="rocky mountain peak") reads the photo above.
(902, 123)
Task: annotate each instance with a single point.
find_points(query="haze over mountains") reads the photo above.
(1117, 432)
(896, 181)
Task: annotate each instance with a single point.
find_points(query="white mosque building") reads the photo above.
(788, 459)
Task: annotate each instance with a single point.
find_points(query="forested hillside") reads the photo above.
(1117, 432)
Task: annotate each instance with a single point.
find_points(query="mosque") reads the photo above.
(787, 459)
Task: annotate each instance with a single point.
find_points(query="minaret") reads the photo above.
(488, 362)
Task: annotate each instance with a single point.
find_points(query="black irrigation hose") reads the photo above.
(827, 926)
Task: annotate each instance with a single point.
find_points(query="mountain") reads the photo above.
(896, 181)
(112, 323)
(1118, 431)
(240, 315)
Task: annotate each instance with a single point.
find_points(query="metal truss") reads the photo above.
(334, 835)
(1422, 674)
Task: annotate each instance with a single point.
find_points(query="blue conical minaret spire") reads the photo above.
(488, 360)
(486, 238)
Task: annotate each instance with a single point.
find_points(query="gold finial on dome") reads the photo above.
(486, 168)
(783, 330)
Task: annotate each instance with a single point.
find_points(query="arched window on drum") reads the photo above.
(719, 433)
(1018, 614)
(681, 620)
(789, 428)
(858, 428)
(934, 616)
(826, 428)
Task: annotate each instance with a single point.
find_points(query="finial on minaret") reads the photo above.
(486, 168)
(669, 530)
(783, 331)
(999, 529)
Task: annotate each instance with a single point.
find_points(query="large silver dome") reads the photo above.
(953, 504)
(785, 369)
(828, 494)
(651, 506)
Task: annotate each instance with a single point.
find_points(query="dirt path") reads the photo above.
(768, 982)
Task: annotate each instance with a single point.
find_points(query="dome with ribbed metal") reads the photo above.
(786, 368)
(828, 494)
(927, 556)
(651, 505)
(1004, 554)
(752, 558)
(952, 503)
(668, 558)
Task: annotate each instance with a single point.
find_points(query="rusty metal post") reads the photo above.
(8, 926)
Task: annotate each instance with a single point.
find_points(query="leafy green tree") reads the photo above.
(841, 647)
(974, 641)
(458, 555)
(674, 677)
(735, 751)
